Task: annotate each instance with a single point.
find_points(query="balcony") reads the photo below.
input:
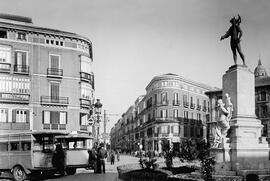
(192, 105)
(5, 67)
(86, 77)
(14, 126)
(58, 101)
(14, 98)
(54, 126)
(21, 69)
(186, 104)
(85, 103)
(176, 102)
(163, 103)
(55, 72)
(199, 107)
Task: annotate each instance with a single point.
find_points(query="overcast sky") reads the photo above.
(134, 40)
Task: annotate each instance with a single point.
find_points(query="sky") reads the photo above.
(135, 40)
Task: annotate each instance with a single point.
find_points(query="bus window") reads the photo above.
(37, 146)
(48, 144)
(14, 146)
(26, 146)
(3, 146)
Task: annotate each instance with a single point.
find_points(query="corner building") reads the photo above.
(174, 108)
(46, 77)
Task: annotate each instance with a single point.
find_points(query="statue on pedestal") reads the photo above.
(236, 33)
(225, 115)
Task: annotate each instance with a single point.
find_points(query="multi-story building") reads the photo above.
(262, 102)
(174, 108)
(46, 78)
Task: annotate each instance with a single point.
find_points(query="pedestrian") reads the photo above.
(93, 159)
(118, 155)
(102, 154)
(112, 157)
(58, 159)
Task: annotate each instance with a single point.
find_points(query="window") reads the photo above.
(263, 96)
(84, 118)
(55, 90)
(4, 115)
(21, 58)
(21, 116)
(25, 145)
(54, 117)
(185, 115)
(155, 99)
(14, 146)
(86, 91)
(5, 54)
(164, 97)
(63, 117)
(175, 113)
(3, 146)
(185, 131)
(55, 61)
(86, 64)
(163, 113)
(175, 129)
(21, 36)
(165, 129)
(198, 116)
(191, 131)
(3, 33)
(198, 102)
(46, 117)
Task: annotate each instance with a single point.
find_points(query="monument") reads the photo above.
(243, 151)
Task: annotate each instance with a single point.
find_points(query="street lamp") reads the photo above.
(97, 111)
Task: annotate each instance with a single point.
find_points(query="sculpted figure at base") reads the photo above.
(223, 125)
(236, 33)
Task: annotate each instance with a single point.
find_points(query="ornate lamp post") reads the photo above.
(97, 111)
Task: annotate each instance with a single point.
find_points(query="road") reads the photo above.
(86, 175)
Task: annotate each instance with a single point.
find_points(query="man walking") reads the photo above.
(102, 153)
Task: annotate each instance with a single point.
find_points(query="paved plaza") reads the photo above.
(83, 174)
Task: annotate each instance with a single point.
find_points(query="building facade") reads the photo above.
(262, 102)
(174, 108)
(46, 77)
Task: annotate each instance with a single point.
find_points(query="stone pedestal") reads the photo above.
(248, 151)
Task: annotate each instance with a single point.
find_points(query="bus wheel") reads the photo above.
(19, 173)
(71, 171)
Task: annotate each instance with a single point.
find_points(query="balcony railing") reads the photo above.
(192, 105)
(55, 72)
(14, 98)
(14, 126)
(22, 69)
(85, 103)
(55, 126)
(186, 104)
(47, 100)
(162, 103)
(5, 67)
(83, 127)
(199, 107)
(87, 77)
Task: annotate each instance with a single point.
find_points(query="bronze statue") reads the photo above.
(236, 33)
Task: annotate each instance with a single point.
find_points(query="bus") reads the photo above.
(27, 152)
(76, 147)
